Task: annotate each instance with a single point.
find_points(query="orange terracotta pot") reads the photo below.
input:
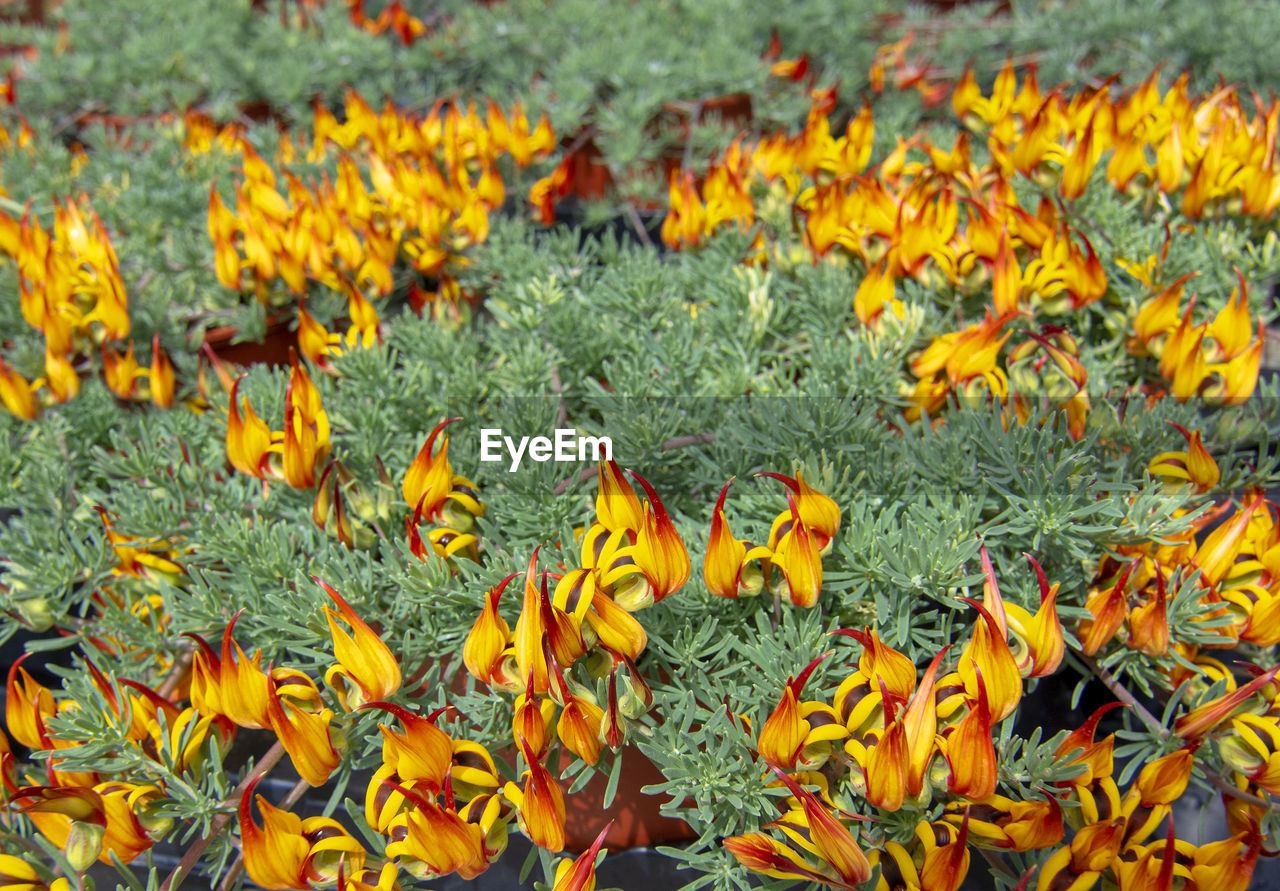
(271, 350)
(589, 174)
(637, 820)
(732, 109)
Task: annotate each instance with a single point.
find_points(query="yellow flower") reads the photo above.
(725, 565)
(361, 657)
(579, 874)
(287, 852)
(482, 653)
(1195, 465)
(540, 803)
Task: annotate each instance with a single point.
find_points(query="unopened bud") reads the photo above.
(634, 697)
(35, 613)
(613, 730)
(84, 844)
(1239, 755)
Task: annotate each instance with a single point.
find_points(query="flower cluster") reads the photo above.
(431, 186)
(1112, 830)
(798, 539)
(93, 817)
(71, 291)
(449, 501)
(292, 454)
(938, 216)
(632, 557)
(1231, 574)
(1217, 358)
(1210, 149)
(228, 685)
(393, 17)
(880, 737)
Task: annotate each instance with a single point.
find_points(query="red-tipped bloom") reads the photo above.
(489, 636)
(970, 751)
(725, 566)
(785, 733)
(830, 838)
(988, 654)
(580, 874)
(798, 554)
(1041, 637)
(365, 668)
(430, 477)
(540, 803)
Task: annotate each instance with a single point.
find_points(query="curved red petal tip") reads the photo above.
(431, 437)
(526, 750)
(1183, 430)
(226, 635)
(801, 679)
(209, 652)
(963, 838)
(723, 493)
(1041, 578)
(789, 482)
(595, 845)
(1091, 724)
(795, 512)
(659, 510)
(247, 795)
(97, 673)
(398, 710)
(987, 568)
(437, 712)
(448, 788)
(337, 598)
(1025, 881)
(412, 795)
(887, 703)
(793, 787)
(151, 695)
(502, 586)
(986, 613)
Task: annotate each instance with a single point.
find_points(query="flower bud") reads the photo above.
(634, 696)
(35, 613)
(1239, 755)
(84, 844)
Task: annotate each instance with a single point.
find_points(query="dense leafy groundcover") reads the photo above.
(928, 355)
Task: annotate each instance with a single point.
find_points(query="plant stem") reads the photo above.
(636, 224)
(176, 673)
(1121, 692)
(1220, 782)
(996, 863)
(193, 854)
